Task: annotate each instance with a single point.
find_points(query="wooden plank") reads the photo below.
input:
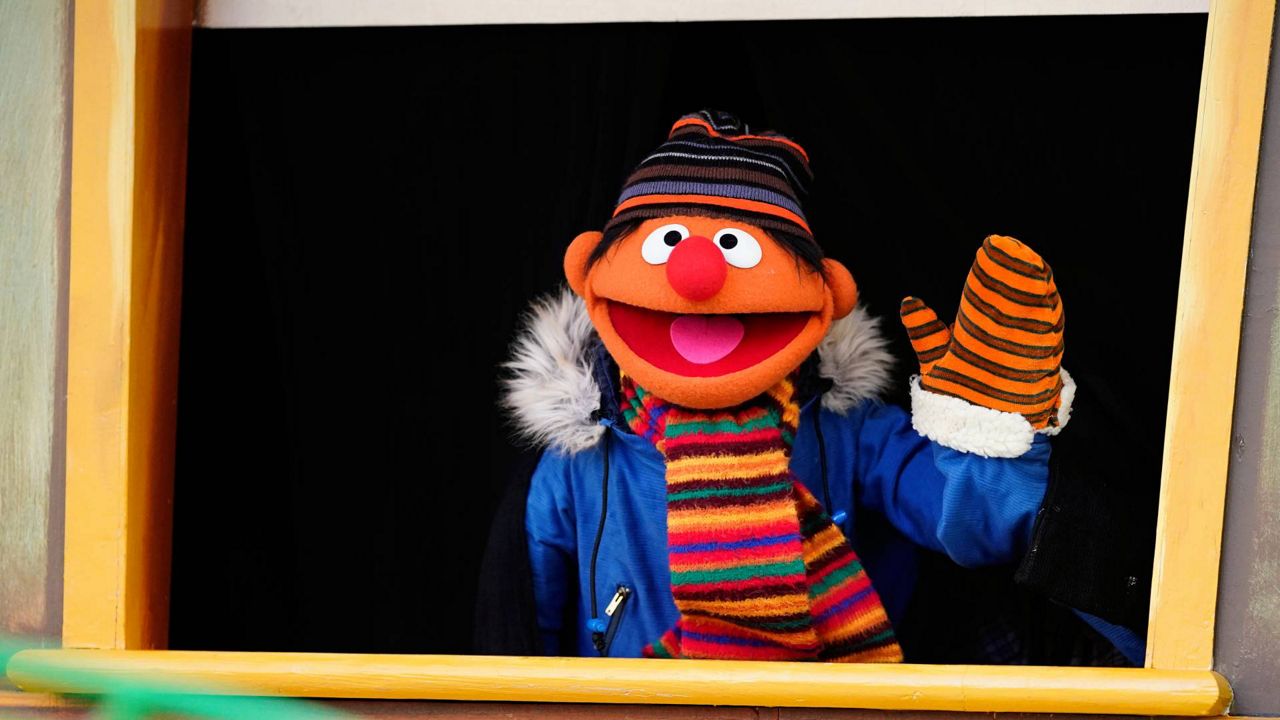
(659, 682)
(45, 706)
(1247, 627)
(1207, 335)
(438, 710)
(131, 76)
(363, 13)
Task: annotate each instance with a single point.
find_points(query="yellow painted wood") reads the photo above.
(604, 680)
(35, 51)
(1207, 334)
(131, 77)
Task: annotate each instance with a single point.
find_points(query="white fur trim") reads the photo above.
(971, 428)
(1064, 408)
(967, 427)
(549, 387)
(855, 357)
(552, 395)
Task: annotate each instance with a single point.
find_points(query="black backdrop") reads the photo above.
(370, 209)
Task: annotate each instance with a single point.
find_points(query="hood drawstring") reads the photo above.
(597, 625)
(837, 516)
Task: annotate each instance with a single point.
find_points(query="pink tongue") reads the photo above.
(703, 339)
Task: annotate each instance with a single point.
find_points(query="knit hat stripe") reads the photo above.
(694, 170)
(721, 161)
(715, 202)
(712, 165)
(679, 161)
(725, 190)
(701, 121)
(773, 152)
(727, 153)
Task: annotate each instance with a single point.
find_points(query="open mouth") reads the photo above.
(704, 345)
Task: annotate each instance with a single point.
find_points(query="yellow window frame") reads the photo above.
(131, 78)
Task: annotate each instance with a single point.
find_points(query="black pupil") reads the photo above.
(728, 241)
(672, 238)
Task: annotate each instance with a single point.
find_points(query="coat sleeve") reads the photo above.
(977, 510)
(549, 526)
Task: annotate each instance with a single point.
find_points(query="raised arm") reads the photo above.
(991, 388)
(977, 510)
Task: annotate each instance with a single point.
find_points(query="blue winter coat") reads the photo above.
(891, 490)
(883, 481)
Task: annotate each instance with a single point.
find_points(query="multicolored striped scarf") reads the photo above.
(758, 570)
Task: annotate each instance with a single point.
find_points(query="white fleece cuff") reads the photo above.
(971, 428)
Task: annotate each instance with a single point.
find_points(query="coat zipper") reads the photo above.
(614, 611)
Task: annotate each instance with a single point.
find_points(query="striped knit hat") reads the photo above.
(712, 164)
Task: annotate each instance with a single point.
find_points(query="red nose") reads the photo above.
(696, 268)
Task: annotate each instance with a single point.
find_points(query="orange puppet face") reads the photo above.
(706, 313)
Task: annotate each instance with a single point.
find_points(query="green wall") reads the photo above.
(35, 103)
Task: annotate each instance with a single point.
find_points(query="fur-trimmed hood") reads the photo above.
(551, 391)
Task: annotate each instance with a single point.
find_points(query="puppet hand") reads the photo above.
(991, 382)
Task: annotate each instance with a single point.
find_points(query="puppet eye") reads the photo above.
(739, 248)
(658, 246)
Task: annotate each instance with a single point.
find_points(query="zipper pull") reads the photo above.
(613, 613)
(618, 598)
(602, 629)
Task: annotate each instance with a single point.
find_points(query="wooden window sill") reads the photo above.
(959, 688)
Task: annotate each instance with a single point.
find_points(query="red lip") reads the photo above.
(649, 334)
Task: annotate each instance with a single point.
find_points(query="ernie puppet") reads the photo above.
(706, 398)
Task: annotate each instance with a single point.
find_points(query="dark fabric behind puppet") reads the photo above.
(686, 353)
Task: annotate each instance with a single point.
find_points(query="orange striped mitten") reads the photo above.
(995, 378)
